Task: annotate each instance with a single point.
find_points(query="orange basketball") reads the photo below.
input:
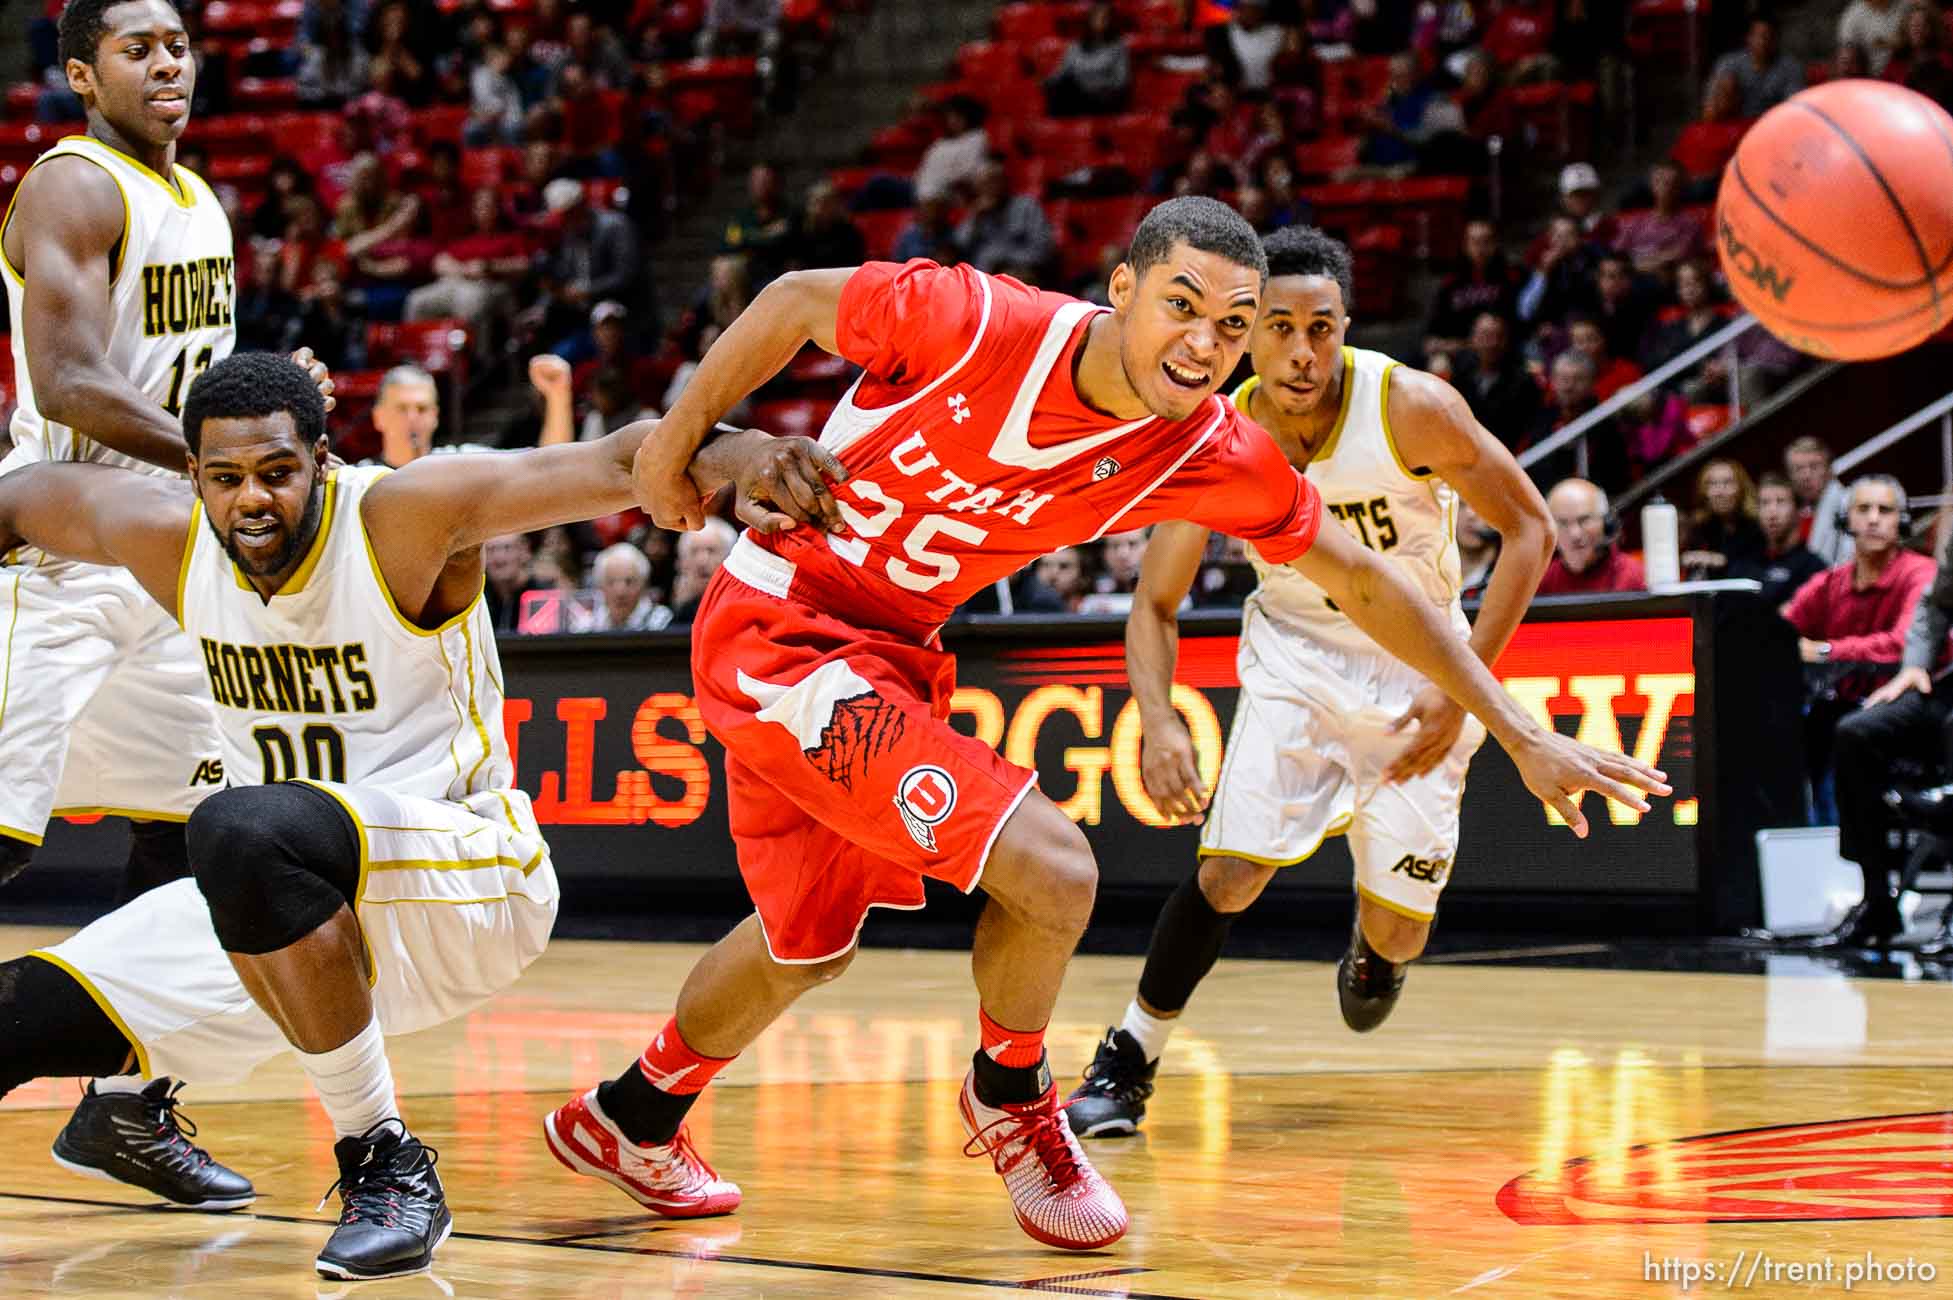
(1835, 219)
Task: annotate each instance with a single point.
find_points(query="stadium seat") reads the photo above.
(818, 374)
(436, 346)
(880, 230)
(1327, 157)
(1349, 86)
(1084, 226)
(266, 94)
(24, 142)
(1023, 23)
(440, 123)
(796, 417)
(1707, 421)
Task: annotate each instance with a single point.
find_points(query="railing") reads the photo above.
(1724, 338)
(1942, 411)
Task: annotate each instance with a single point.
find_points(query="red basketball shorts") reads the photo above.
(845, 782)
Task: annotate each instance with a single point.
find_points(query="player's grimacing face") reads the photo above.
(143, 76)
(263, 490)
(1298, 341)
(1183, 327)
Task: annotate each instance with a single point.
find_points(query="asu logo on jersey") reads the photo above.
(179, 297)
(316, 679)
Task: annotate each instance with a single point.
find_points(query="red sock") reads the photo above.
(1014, 1049)
(670, 1065)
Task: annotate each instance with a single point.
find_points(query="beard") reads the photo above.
(297, 540)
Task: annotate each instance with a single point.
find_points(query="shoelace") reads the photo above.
(374, 1191)
(174, 1128)
(1039, 1133)
(681, 1153)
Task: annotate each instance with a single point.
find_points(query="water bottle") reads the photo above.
(1661, 544)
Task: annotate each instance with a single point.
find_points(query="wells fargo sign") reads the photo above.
(610, 741)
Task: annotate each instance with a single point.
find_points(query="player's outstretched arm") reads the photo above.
(101, 514)
(1398, 617)
(423, 514)
(796, 309)
(65, 228)
(1434, 429)
(1167, 763)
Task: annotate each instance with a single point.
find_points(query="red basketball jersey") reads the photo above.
(970, 455)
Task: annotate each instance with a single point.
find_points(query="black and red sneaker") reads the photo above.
(142, 1139)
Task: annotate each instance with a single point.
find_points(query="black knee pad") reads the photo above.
(157, 855)
(51, 1028)
(274, 863)
(14, 857)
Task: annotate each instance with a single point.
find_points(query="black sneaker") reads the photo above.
(1366, 985)
(393, 1213)
(142, 1139)
(1112, 1100)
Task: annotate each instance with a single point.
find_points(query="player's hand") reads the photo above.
(664, 487)
(549, 375)
(319, 373)
(1909, 679)
(1440, 720)
(784, 482)
(1559, 771)
(1170, 772)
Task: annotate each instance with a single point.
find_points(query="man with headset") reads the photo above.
(1857, 612)
(1905, 721)
(1585, 559)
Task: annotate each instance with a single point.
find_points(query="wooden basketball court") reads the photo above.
(1511, 1131)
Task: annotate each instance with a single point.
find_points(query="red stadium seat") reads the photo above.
(982, 63)
(1156, 87)
(1137, 141)
(1084, 226)
(880, 230)
(489, 167)
(818, 374)
(1559, 117)
(1326, 158)
(1350, 86)
(1062, 144)
(266, 94)
(1378, 252)
(24, 142)
(1706, 421)
(799, 417)
(436, 346)
(22, 98)
(442, 123)
(1024, 23)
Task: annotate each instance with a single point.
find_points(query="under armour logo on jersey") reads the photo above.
(1105, 469)
(959, 408)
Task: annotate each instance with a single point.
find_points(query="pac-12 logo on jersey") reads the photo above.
(1105, 469)
(925, 796)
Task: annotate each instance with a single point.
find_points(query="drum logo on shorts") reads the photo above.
(1430, 871)
(925, 796)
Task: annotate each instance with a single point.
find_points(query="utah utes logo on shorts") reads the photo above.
(925, 797)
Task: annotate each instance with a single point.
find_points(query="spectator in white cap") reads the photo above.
(1580, 199)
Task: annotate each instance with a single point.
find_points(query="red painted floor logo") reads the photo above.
(1880, 1167)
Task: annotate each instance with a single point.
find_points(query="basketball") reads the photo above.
(1834, 221)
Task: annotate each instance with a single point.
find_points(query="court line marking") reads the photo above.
(662, 1252)
(1505, 954)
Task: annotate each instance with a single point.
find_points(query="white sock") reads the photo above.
(130, 1083)
(1150, 1031)
(354, 1082)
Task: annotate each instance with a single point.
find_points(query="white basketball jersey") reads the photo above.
(327, 681)
(172, 291)
(1401, 511)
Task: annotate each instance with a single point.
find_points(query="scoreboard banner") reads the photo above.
(627, 783)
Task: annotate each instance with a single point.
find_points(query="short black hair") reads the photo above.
(253, 384)
(1208, 225)
(1305, 250)
(84, 24)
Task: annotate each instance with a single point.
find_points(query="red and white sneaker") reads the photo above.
(1057, 1195)
(672, 1180)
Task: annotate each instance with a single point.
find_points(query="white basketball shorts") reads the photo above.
(1305, 760)
(455, 900)
(104, 707)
